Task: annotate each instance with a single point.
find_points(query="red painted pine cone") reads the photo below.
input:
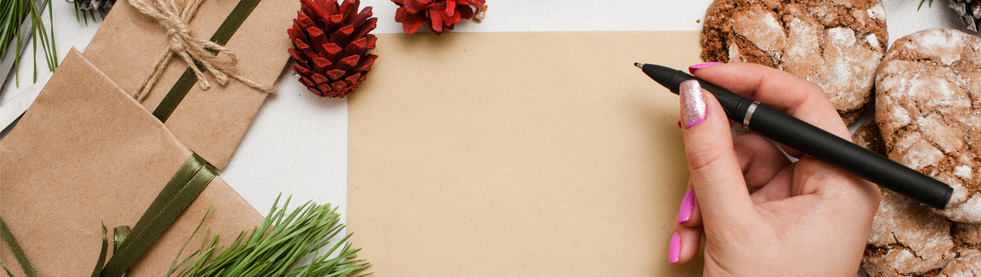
(330, 44)
(438, 14)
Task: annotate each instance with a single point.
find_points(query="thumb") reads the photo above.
(715, 173)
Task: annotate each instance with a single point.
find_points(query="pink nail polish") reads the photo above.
(692, 104)
(687, 207)
(674, 249)
(692, 69)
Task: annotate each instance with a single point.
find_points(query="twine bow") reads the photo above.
(173, 16)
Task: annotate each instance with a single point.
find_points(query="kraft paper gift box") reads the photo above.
(210, 122)
(86, 154)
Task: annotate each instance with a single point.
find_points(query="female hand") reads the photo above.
(804, 218)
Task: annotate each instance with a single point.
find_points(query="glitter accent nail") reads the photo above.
(692, 104)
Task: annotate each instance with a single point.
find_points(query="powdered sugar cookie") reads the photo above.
(907, 239)
(928, 100)
(836, 44)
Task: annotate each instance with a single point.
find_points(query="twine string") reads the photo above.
(173, 16)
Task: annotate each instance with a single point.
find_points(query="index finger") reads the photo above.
(780, 90)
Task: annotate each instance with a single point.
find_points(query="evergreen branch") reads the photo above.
(277, 246)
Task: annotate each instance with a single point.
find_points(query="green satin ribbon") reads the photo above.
(187, 80)
(186, 184)
(102, 253)
(129, 245)
(8, 237)
(119, 234)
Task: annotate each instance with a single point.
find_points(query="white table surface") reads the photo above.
(298, 142)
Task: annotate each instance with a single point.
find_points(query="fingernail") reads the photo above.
(687, 206)
(674, 249)
(692, 104)
(692, 69)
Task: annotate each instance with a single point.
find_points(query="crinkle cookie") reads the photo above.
(909, 240)
(928, 99)
(836, 44)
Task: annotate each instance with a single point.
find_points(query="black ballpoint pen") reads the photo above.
(813, 141)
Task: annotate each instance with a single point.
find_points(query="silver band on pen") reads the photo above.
(749, 113)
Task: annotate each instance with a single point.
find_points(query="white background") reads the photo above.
(298, 142)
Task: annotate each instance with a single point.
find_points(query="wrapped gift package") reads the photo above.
(87, 155)
(210, 122)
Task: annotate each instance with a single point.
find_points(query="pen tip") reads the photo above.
(639, 65)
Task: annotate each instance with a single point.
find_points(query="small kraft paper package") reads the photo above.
(139, 47)
(86, 155)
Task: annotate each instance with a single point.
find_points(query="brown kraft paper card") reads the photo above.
(85, 154)
(210, 122)
(518, 154)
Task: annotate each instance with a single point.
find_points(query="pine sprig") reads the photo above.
(14, 13)
(277, 246)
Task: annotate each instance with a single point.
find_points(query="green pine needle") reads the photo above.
(13, 13)
(923, 1)
(277, 246)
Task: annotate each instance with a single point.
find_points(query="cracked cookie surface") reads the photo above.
(836, 44)
(909, 240)
(928, 100)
